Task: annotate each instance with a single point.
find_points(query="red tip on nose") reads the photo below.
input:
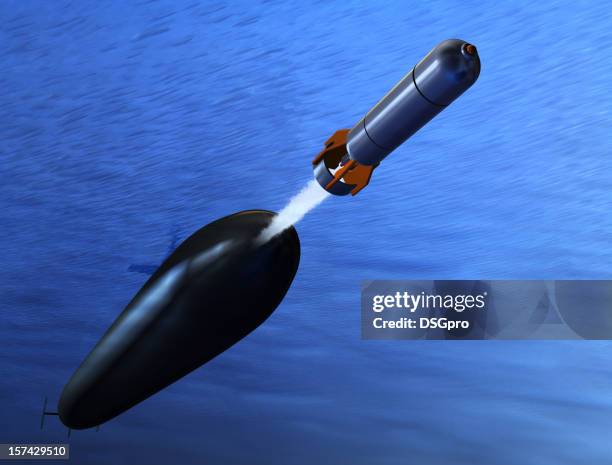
(469, 49)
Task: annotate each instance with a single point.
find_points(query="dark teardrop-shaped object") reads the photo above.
(213, 290)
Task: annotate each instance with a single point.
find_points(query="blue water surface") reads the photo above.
(123, 122)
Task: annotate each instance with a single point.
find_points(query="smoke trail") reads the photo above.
(307, 199)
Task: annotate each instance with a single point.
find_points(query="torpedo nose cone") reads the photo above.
(216, 287)
(447, 71)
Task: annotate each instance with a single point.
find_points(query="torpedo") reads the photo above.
(346, 163)
(213, 290)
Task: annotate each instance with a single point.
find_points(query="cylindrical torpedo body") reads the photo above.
(346, 163)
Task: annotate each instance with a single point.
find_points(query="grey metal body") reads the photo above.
(442, 76)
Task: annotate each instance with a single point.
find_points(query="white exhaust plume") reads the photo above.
(307, 199)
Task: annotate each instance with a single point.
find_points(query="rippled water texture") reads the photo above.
(126, 125)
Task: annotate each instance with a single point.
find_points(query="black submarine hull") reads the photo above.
(212, 291)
